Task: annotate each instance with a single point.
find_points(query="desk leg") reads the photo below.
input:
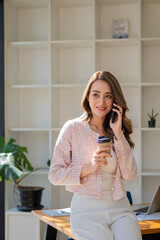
(155, 236)
(51, 233)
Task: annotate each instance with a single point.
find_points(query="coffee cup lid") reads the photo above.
(103, 139)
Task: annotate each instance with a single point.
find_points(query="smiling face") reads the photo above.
(100, 99)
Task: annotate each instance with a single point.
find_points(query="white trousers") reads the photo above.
(103, 219)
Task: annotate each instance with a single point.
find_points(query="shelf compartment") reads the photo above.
(150, 19)
(68, 85)
(116, 2)
(37, 144)
(69, 65)
(150, 149)
(149, 187)
(29, 129)
(28, 66)
(149, 102)
(76, 15)
(150, 172)
(150, 41)
(27, 20)
(117, 59)
(149, 84)
(150, 129)
(28, 108)
(55, 135)
(132, 187)
(150, 63)
(29, 45)
(66, 104)
(117, 42)
(135, 136)
(108, 11)
(18, 86)
(132, 98)
(72, 43)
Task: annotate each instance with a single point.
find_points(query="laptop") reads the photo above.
(154, 206)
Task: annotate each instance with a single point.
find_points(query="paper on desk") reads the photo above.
(152, 216)
(58, 212)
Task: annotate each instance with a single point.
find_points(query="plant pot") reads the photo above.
(29, 198)
(152, 123)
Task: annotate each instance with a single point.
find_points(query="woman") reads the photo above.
(99, 207)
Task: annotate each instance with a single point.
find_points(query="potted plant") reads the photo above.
(13, 161)
(152, 121)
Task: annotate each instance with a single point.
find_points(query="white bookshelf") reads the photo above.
(52, 47)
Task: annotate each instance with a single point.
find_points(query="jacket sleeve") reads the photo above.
(61, 170)
(126, 161)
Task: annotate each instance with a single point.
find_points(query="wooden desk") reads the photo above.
(60, 223)
(63, 223)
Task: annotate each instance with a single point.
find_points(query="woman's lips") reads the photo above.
(101, 108)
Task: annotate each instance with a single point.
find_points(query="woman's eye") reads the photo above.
(95, 95)
(108, 96)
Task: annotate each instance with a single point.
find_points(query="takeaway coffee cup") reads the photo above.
(104, 141)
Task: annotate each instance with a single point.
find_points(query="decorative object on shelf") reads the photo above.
(152, 121)
(120, 29)
(13, 161)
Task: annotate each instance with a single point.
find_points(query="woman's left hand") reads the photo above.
(117, 125)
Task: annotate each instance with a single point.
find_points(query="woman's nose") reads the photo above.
(101, 100)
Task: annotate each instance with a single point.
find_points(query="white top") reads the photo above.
(112, 162)
(108, 172)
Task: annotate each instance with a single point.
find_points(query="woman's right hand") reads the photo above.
(99, 158)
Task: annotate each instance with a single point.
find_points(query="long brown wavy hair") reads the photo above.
(118, 98)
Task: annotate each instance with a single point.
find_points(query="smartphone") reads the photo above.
(114, 114)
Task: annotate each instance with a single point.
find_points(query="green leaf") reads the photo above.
(7, 164)
(12, 173)
(155, 115)
(17, 164)
(2, 169)
(15, 173)
(24, 149)
(152, 116)
(27, 164)
(7, 175)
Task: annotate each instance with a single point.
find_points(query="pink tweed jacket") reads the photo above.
(74, 148)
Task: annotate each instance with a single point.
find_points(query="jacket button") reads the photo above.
(112, 188)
